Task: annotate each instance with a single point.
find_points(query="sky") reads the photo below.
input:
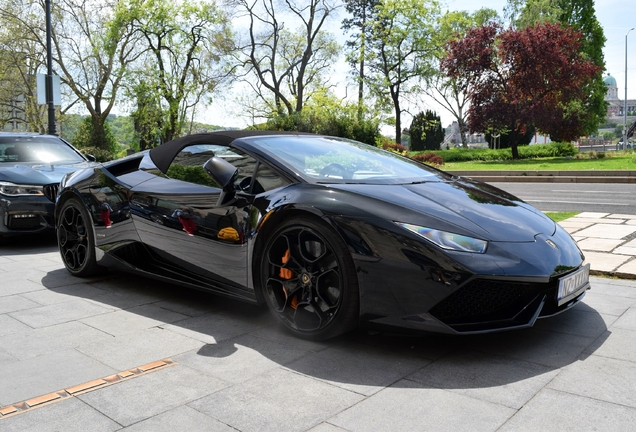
(616, 17)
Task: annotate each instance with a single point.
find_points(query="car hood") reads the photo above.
(459, 206)
(38, 174)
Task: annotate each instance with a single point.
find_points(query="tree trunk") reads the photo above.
(98, 134)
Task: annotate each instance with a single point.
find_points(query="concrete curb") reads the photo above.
(591, 176)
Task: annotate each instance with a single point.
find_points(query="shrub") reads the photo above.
(525, 152)
(101, 155)
(429, 158)
(394, 147)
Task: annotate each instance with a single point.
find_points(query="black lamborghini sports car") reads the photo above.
(328, 233)
(31, 167)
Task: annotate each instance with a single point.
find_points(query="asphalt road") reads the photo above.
(592, 197)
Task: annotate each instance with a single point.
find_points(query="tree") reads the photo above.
(400, 50)
(426, 131)
(518, 78)
(286, 66)
(327, 115)
(21, 56)
(147, 117)
(445, 90)
(361, 12)
(581, 15)
(186, 44)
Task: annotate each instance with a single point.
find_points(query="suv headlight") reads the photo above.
(447, 240)
(12, 189)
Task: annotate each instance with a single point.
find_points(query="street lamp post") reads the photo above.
(625, 107)
(52, 129)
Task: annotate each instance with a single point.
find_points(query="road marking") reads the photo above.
(47, 399)
(579, 191)
(576, 202)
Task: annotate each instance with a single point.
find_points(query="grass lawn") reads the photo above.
(559, 216)
(619, 161)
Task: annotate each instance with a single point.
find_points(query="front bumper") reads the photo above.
(26, 214)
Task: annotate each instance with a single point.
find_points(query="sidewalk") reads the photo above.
(124, 353)
(607, 240)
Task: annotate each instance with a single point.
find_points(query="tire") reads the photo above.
(308, 279)
(75, 239)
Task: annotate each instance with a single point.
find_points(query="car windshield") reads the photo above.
(36, 149)
(335, 160)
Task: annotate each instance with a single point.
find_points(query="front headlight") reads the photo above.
(447, 240)
(12, 189)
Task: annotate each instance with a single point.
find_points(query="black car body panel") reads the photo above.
(207, 238)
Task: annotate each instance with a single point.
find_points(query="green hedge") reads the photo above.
(525, 152)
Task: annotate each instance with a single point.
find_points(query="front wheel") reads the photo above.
(308, 279)
(75, 239)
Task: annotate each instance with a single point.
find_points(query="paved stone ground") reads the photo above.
(125, 353)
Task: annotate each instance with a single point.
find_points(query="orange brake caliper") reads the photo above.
(287, 274)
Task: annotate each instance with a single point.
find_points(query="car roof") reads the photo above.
(25, 134)
(163, 155)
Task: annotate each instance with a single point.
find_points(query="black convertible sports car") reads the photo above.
(329, 233)
(31, 167)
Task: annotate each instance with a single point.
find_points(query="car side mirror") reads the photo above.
(91, 158)
(222, 172)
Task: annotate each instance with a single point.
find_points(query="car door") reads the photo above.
(181, 218)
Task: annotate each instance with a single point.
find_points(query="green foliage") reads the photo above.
(559, 216)
(525, 152)
(100, 155)
(192, 174)
(581, 15)
(326, 115)
(504, 139)
(426, 131)
(83, 139)
(401, 50)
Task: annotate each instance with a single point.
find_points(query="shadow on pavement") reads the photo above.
(359, 358)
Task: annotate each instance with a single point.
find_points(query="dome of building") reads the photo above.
(609, 81)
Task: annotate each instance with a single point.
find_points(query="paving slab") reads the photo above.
(357, 367)
(598, 244)
(135, 318)
(618, 344)
(32, 377)
(181, 418)
(72, 415)
(607, 231)
(407, 406)
(627, 320)
(605, 262)
(45, 340)
(70, 310)
(552, 410)
(138, 348)
(295, 403)
(9, 325)
(488, 377)
(241, 358)
(605, 380)
(149, 395)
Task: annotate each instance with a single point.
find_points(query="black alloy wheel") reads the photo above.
(75, 239)
(309, 280)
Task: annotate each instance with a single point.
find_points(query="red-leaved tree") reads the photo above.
(517, 78)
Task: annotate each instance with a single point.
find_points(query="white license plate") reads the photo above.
(573, 285)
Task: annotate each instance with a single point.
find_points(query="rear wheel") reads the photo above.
(309, 280)
(75, 239)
